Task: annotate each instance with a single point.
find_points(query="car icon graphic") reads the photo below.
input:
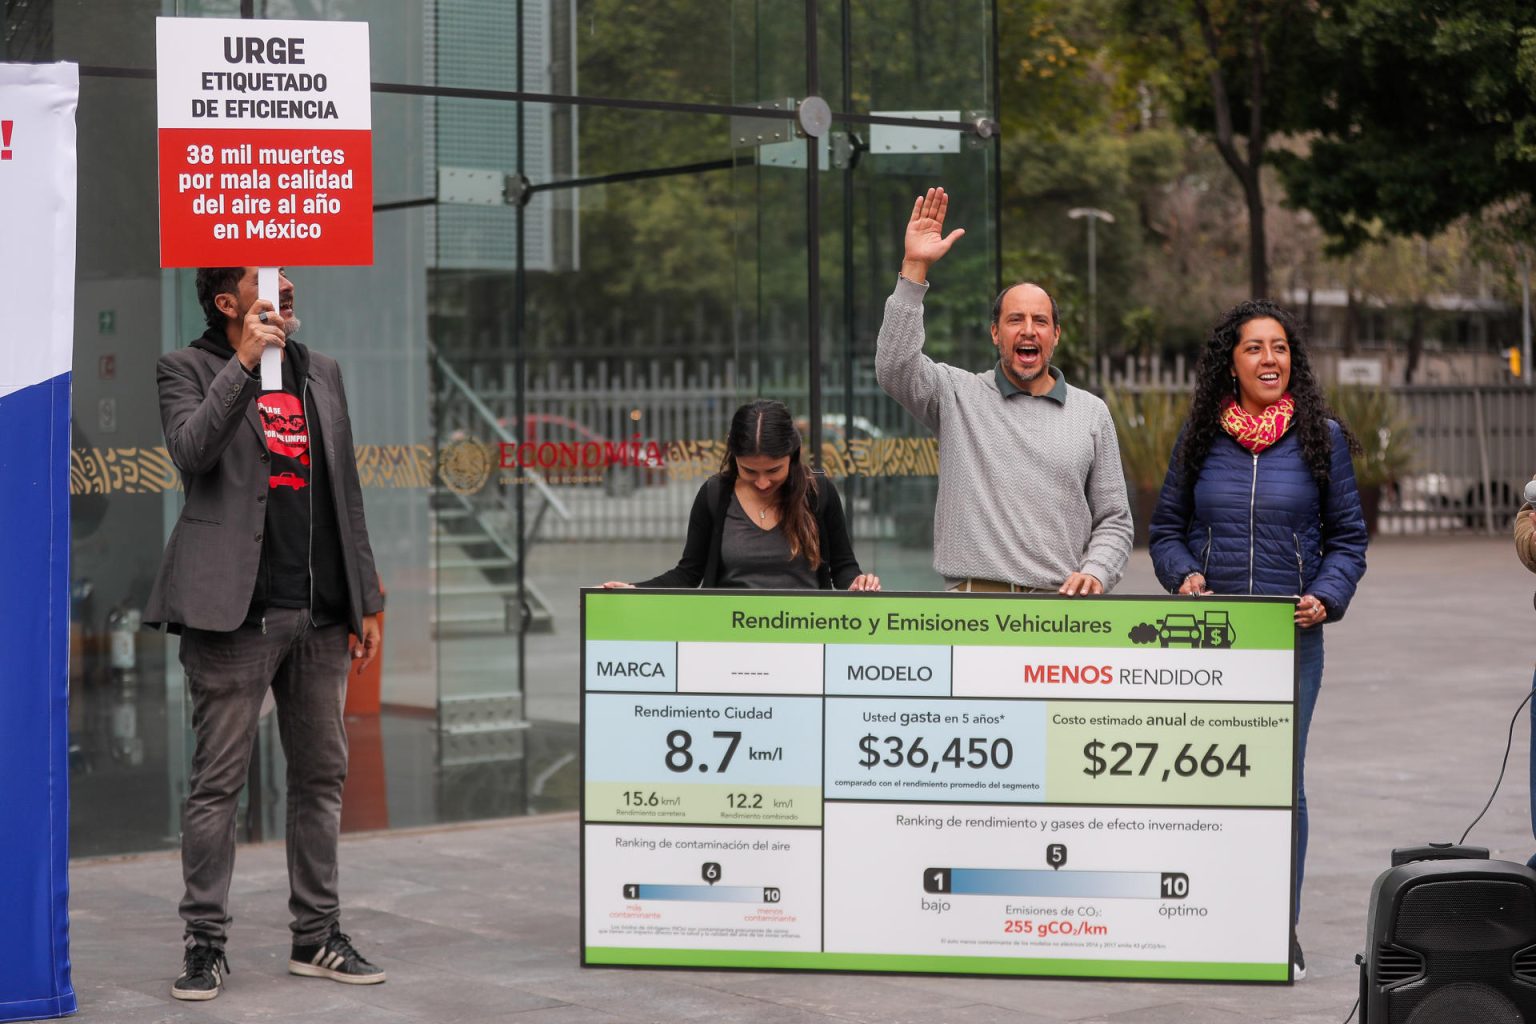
(286, 480)
(1179, 628)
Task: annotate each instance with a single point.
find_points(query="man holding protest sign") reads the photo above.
(266, 570)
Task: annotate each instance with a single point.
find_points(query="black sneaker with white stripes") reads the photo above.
(202, 973)
(334, 958)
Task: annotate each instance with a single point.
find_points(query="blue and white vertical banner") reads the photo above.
(37, 294)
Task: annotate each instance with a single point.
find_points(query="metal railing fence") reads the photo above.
(684, 407)
(1473, 447)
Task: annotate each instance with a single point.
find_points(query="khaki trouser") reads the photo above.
(972, 585)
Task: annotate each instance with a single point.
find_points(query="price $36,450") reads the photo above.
(967, 752)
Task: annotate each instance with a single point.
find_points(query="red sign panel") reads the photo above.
(243, 197)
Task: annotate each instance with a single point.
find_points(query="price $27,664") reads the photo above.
(1139, 759)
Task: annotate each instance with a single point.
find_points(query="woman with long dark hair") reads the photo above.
(765, 521)
(1260, 498)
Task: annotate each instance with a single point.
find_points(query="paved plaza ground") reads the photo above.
(479, 923)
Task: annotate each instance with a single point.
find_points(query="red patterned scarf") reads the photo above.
(1257, 432)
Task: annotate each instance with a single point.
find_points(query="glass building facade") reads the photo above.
(598, 227)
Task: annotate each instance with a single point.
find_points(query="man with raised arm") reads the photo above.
(1031, 492)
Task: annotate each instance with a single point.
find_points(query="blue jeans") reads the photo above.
(1309, 681)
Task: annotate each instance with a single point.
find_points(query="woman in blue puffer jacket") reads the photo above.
(1260, 498)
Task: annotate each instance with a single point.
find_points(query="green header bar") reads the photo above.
(945, 619)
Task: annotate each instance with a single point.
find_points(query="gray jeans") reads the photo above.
(228, 674)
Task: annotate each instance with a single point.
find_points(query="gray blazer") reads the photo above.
(214, 436)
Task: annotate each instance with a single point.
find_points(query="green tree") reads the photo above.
(1421, 112)
(1405, 273)
(1078, 131)
(1236, 70)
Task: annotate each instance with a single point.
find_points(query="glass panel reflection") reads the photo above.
(566, 304)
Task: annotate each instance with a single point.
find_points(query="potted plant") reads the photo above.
(1386, 439)
(1147, 424)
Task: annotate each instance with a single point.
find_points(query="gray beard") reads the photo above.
(1044, 371)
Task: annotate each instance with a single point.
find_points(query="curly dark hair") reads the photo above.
(213, 282)
(1214, 382)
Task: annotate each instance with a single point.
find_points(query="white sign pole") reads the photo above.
(271, 356)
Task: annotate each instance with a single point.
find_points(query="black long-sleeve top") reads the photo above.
(700, 564)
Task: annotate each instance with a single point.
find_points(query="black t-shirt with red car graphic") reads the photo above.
(290, 494)
(300, 540)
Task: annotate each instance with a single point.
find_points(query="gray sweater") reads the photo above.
(1030, 490)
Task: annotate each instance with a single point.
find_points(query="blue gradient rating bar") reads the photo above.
(1124, 885)
(703, 893)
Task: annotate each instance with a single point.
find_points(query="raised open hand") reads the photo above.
(926, 242)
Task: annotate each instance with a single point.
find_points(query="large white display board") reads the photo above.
(938, 783)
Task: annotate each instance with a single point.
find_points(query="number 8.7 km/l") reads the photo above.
(679, 756)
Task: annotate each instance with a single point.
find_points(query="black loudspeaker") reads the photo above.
(1451, 942)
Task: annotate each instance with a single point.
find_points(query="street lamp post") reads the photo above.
(1525, 315)
(1094, 215)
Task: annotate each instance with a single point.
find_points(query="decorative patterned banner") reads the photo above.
(149, 470)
